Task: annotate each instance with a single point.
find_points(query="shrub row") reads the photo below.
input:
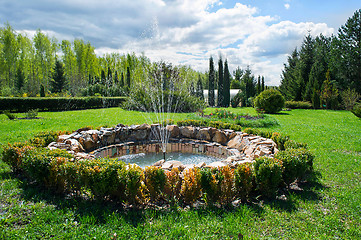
(207, 123)
(298, 105)
(19, 104)
(112, 179)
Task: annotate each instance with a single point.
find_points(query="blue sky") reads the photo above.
(258, 33)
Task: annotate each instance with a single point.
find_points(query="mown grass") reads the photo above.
(326, 208)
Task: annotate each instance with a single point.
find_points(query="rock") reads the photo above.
(63, 138)
(173, 131)
(235, 142)
(74, 145)
(187, 131)
(139, 135)
(142, 127)
(158, 163)
(220, 137)
(200, 165)
(177, 164)
(216, 165)
(203, 134)
(167, 166)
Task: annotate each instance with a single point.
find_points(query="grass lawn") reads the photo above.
(326, 208)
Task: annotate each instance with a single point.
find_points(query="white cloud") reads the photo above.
(287, 6)
(178, 31)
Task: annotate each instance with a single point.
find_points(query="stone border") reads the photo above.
(232, 147)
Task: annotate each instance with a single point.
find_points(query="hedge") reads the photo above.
(19, 104)
(298, 105)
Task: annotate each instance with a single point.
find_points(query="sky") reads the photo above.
(255, 33)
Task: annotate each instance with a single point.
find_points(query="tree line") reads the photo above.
(325, 70)
(42, 65)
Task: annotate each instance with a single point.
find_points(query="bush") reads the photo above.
(173, 185)
(31, 114)
(357, 110)
(13, 154)
(19, 104)
(295, 163)
(211, 180)
(171, 101)
(293, 144)
(191, 185)
(10, 115)
(243, 176)
(131, 178)
(204, 123)
(269, 101)
(155, 180)
(298, 105)
(280, 140)
(268, 175)
(43, 139)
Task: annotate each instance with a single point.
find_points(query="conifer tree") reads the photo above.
(211, 78)
(121, 84)
(258, 86)
(116, 79)
(58, 83)
(227, 85)
(262, 86)
(128, 78)
(20, 80)
(220, 95)
(200, 88)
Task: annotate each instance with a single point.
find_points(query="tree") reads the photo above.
(248, 87)
(305, 64)
(329, 93)
(289, 85)
(346, 53)
(258, 87)
(121, 84)
(128, 78)
(211, 77)
(227, 85)
(200, 88)
(42, 90)
(20, 79)
(220, 96)
(58, 83)
(262, 85)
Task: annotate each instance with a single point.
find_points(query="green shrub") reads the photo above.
(173, 185)
(293, 144)
(10, 115)
(155, 180)
(191, 185)
(131, 177)
(43, 139)
(211, 179)
(204, 123)
(295, 163)
(357, 110)
(31, 114)
(268, 175)
(243, 176)
(171, 101)
(298, 105)
(280, 140)
(13, 154)
(20, 104)
(269, 101)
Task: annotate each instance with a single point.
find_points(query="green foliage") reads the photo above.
(32, 114)
(235, 84)
(350, 98)
(10, 115)
(102, 90)
(248, 87)
(191, 185)
(329, 94)
(58, 104)
(268, 175)
(357, 110)
(298, 105)
(295, 163)
(293, 144)
(42, 90)
(204, 123)
(243, 177)
(43, 139)
(269, 101)
(220, 95)
(211, 83)
(211, 180)
(58, 82)
(168, 101)
(131, 178)
(199, 91)
(155, 181)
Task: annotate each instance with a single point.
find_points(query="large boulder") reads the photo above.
(187, 131)
(173, 131)
(220, 137)
(235, 142)
(74, 145)
(204, 134)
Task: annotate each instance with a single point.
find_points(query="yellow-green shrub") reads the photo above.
(155, 180)
(191, 185)
(13, 154)
(131, 177)
(227, 185)
(268, 175)
(173, 185)
(243, 176)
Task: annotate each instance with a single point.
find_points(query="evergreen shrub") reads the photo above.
(357, 110)
(269, 101)
(298, 105)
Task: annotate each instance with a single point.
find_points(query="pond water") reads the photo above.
(148, 159)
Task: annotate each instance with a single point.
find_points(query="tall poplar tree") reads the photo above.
(211, 78)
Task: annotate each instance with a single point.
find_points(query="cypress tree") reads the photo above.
(200, 88)
(227, 86)
(121, 84)
(128, 78)
(262, 86)
(211, 83)
(20, 79)
(110, 77)
(220, 97)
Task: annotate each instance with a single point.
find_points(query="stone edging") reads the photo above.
(233, 147)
